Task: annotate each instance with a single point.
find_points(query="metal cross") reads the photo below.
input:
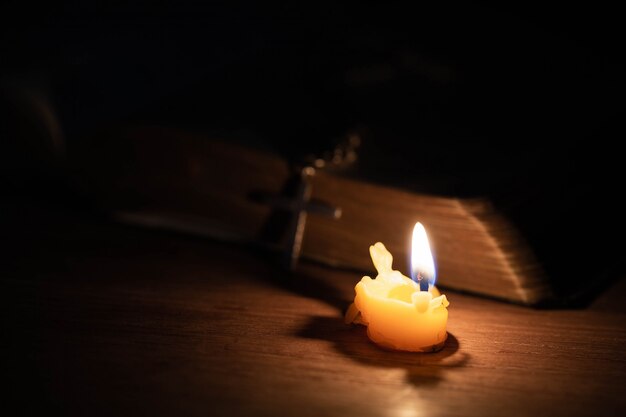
(287, 223)
(298, 206)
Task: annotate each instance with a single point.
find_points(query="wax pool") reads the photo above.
(397, 314)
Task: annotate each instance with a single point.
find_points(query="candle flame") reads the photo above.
(422, 262)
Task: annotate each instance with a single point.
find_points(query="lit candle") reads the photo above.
(399, 312)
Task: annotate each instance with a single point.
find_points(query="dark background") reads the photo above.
(521, 102)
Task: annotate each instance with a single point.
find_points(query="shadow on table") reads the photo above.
(422, 369)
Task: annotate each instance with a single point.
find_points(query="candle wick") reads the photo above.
(419, 282)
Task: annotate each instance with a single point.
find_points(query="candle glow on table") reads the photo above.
(402, 313)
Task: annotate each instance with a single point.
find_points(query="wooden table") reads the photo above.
(99, 319)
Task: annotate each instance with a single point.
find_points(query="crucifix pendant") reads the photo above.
(287, 223)
(302, 206)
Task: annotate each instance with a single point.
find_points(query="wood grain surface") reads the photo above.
(103, 320)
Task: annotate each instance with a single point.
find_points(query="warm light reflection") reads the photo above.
(422, 263)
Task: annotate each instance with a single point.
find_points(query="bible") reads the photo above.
(170, 179)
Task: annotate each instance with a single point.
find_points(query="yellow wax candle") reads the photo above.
(399, 315)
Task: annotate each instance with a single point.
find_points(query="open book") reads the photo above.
(170, 179)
